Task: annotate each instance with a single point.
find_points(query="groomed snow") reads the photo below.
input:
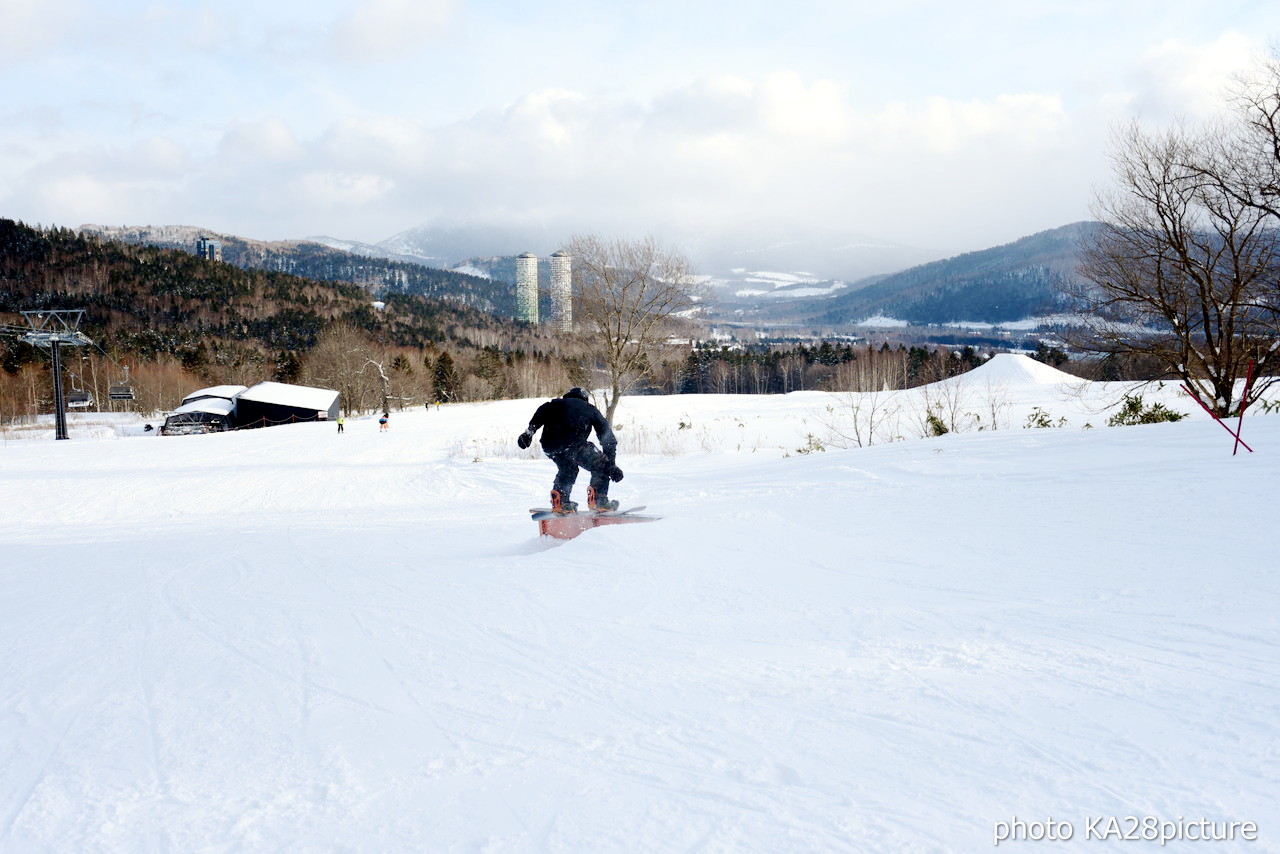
(291, 640)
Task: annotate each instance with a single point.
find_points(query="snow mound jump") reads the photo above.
(1015, 369)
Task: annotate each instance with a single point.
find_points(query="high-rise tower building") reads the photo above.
(561, 292)
(207, 247)
(527, 288)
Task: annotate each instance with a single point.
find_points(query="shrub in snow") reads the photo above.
(812, 445)
(1039, 418)
(1132, 412)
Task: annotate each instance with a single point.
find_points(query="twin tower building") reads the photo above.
(561, 290)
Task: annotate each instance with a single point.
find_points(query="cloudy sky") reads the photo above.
(946, 125)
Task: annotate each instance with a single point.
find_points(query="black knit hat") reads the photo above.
(576, 392)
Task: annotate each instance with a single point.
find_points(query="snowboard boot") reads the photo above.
(562, 506)
(600, 503)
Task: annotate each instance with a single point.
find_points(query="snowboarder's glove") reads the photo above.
(525, 439)
(615, 474)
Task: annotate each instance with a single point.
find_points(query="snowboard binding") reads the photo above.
(599, 505)
(560, 506)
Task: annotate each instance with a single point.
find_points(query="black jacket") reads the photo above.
(567, 421)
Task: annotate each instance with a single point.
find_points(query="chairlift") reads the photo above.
(78, 398)
(121, 390)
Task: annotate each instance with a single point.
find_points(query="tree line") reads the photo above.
(712, 369)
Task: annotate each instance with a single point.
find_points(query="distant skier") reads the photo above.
(382, 423)
(566, 424)
(340, 423)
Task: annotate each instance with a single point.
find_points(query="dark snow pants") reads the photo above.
(584, 455)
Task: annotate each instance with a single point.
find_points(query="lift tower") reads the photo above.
(52, 330)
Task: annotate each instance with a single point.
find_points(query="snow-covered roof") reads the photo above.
(227, 391)
(211, 405)
(283, 394)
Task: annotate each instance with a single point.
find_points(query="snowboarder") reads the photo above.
(566, 424)
(340, 423)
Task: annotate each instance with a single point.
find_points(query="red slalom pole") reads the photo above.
(1244, 401)
(1219, 420)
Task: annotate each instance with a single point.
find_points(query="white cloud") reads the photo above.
(817, 111)
(394, 143)
(105, 185)
(704, 155)
(944, 125)
(1176, 78)
(336, 191)
(28, 27)
(717, 105)
(269, 141)
(381, 29)
(551, 116)
(490, 123)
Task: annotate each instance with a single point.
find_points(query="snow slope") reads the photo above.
(287, 639)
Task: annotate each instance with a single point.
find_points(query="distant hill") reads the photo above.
(153, 302)
(329, 261)
(1006, 283)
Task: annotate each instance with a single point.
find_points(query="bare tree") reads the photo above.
(384, 382)
(338, 361)
(858, 419)
(1184, 267)
(631, 296)
(998, 400)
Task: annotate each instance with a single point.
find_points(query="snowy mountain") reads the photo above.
(450, 245)
(822, 254)
(289, 639)
(369, 250)
(1012, 282)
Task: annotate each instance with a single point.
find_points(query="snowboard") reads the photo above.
(540, 513)
(568, 526)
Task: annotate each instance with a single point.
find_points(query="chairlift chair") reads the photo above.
(121, 390)
(78, 398)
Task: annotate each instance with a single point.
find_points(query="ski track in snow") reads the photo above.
(287, 639)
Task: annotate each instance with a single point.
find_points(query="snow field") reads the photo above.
(287, 639)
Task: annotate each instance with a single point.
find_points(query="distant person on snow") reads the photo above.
(340, 423)
(382, 423)
(566, 424)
